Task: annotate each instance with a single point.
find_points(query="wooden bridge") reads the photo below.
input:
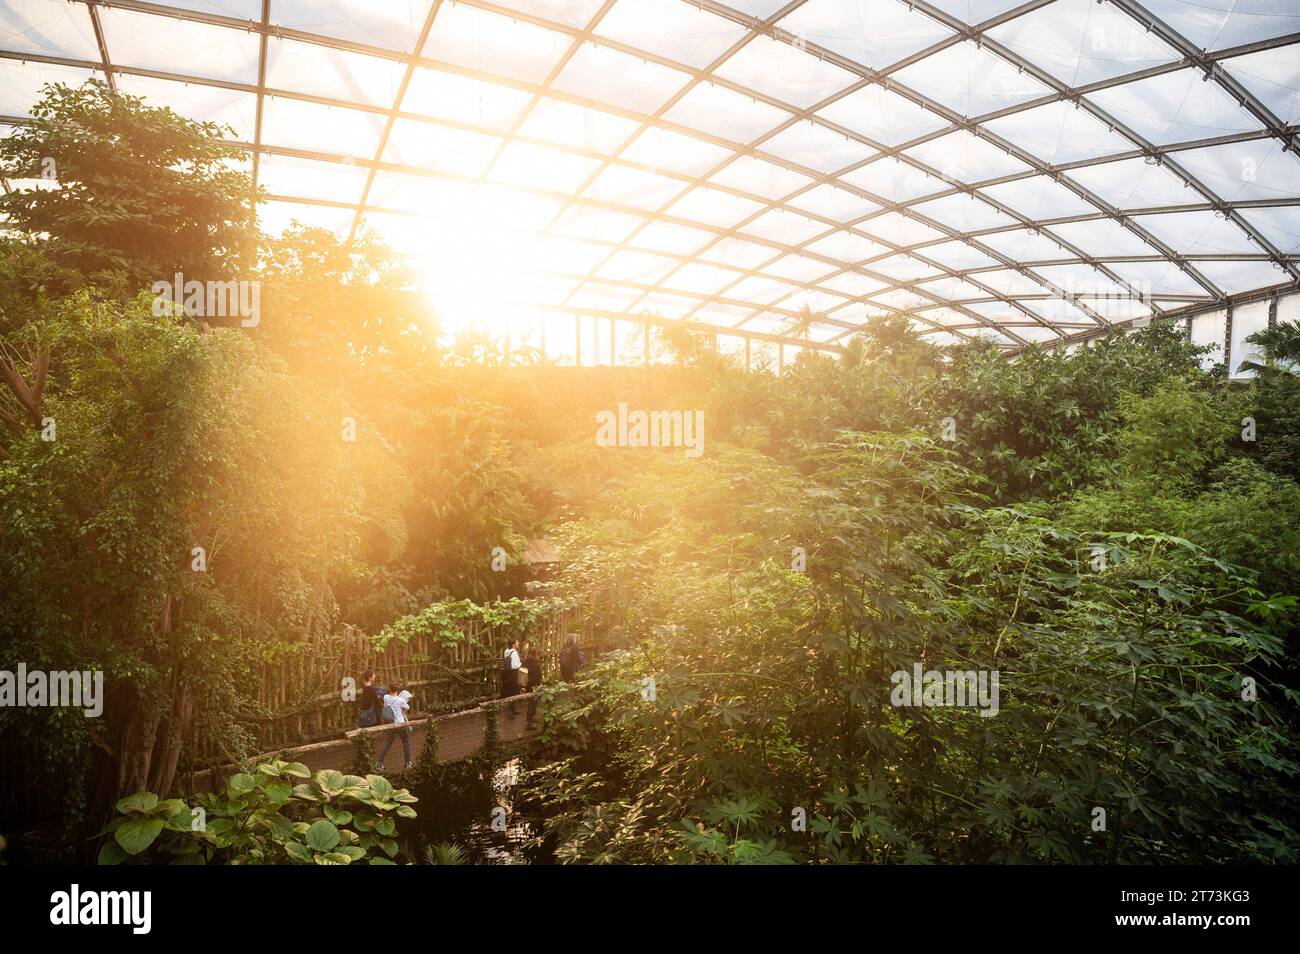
(454, 685)
(461, 734)
(299, 696)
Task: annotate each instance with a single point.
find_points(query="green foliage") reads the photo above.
(1042, 424)
(168, 439)
(1121, 688)
(364, 761)
(445, 853)
(446, 620)
(141, 192)
(1281, 344)
(1275, 406)
(1174, 435)
(274, 813)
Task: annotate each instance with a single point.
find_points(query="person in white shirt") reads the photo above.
(510, 664)
(396, 705)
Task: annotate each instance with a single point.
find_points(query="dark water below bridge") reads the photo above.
(478, 816)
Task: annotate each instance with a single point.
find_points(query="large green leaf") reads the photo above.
(240, 784)
(137, 834)
(141, 803)
(322, 836)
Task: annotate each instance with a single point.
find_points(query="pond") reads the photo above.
(476, 814)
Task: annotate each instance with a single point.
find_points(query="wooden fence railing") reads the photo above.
(301, 695)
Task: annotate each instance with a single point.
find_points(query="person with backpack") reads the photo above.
(370, 706)
(396, 705)
(571, 658)
(510, 666)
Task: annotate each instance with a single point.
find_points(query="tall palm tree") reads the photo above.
(1281, 344)
(802, 323)
(854, 354)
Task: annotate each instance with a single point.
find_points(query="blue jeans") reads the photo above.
(402, 731)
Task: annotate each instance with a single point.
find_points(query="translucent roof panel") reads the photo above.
(833, 202)
(145, 41)
(671, 29)
(970, 80)
(1280, 225)
(1134, 184)
(759, 177)
(227, 107)
(462, 99)
(893, 179)
(620, 79)
(21, 82)
(489, 43)
(661, 148)
(814, 146)
(966, 162)
(304, 178)
(1220, 24)
(874, 34)
(394, 25)
(635, 188)
(50, 27)
(312, 127)
(882, 116)
(565, 123)
(1081, 42)
(724, 113)
(1024, 245)
(1174, 107)
(1059, 132)
(1272, 75)
(784, 72)
(333, 74)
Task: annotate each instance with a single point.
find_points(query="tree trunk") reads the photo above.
(138, 738)
(172, 739)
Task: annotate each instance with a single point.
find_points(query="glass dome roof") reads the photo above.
(1023, 172)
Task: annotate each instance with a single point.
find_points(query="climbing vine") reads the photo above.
(447, 621)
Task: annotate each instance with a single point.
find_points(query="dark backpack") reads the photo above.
(372, 704)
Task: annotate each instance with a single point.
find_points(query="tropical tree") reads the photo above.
(129, 194)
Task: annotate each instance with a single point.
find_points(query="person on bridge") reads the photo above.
(533, 663)
(510, 666)
(533, 666)
(370, 707)
(571, 658)
(395, 709)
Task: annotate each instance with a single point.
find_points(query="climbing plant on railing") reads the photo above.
(448, 622)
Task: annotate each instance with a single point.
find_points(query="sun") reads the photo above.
(472, 263)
